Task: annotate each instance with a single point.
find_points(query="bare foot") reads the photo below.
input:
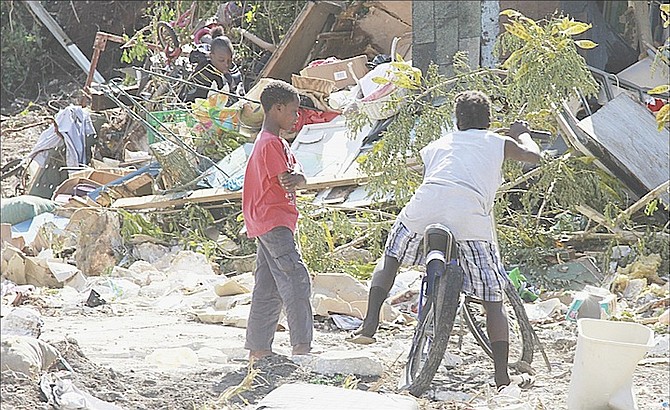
(302, 349)
(258, 354)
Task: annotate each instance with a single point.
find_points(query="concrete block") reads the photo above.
(236, 317)
(423, 55)
(471, 45)
(446, 40)
(230, 287)
(469, 19)
(361, 363)
(299, 396)
(446, 9)
(342, 293)
(423, 24)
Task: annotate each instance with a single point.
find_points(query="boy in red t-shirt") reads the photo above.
(271, 216)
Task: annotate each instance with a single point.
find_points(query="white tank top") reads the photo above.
(462, 172)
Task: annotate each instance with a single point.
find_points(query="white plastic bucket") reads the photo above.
(605, 359)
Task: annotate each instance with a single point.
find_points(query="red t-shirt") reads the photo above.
(265, 204)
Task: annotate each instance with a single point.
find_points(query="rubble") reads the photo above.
(190, 280)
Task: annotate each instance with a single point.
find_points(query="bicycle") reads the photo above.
(440, 301)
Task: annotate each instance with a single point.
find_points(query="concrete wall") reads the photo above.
(440, 28)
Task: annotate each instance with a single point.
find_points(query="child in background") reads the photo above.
(271, 216)
(216, 70)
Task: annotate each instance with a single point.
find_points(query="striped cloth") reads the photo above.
(484, 277)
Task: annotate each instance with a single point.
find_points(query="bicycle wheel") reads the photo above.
(521, 346)
(167, 37)
(431, 335)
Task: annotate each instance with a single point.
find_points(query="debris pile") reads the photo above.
(132, 200)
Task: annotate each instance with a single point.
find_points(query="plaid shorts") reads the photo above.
(484, 277)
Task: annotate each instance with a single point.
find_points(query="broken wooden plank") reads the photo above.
(382, 27)
(219, 194)
(653, 194)
(599, 218)
(635, 150)
(292, 52)
(402, 10)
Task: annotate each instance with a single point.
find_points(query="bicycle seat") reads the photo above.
(438, 237)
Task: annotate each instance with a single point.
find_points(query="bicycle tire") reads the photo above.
(167, 37)
(429, 344)
(519, 318)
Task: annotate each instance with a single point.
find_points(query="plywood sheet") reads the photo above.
(382, 27)
(627, 131)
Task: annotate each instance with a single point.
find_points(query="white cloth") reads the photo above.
(462, 172)
(74, 124)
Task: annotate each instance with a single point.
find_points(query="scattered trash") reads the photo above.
(26, 355)
(345, 322)
(62, 394)
(593, 302)
(521, 285)
(94, 299)
(543, 310)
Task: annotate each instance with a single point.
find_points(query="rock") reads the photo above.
(344, 294)
(356, 255)
(172, 358)
(150, 252)
(230, 288)
(634, 288)
(236, 317)
(661, 346)
(228, 302)
(332, 362)
(299, 396)
(209, 354)
(22, 321)
(451, 360)
(26, 355)
(452, 396)
(189, 263)
(140, 279)
(243, 264)
(99, 242)
(664, 319)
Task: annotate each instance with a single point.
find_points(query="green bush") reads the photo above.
(21, 44)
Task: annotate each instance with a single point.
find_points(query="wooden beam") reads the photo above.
(293, 50)
(217, 194)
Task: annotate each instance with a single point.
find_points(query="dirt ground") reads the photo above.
(111, 365)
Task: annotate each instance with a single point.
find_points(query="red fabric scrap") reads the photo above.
(307, 116)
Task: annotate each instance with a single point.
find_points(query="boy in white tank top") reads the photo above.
(462, 171)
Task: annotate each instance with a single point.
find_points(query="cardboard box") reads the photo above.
(338, 71)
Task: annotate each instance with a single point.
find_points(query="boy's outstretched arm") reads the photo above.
(522, 148)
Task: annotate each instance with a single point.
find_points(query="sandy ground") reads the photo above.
(108, 346)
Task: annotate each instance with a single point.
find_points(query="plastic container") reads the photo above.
(606, 356)
(592, 303)
(167, 117)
